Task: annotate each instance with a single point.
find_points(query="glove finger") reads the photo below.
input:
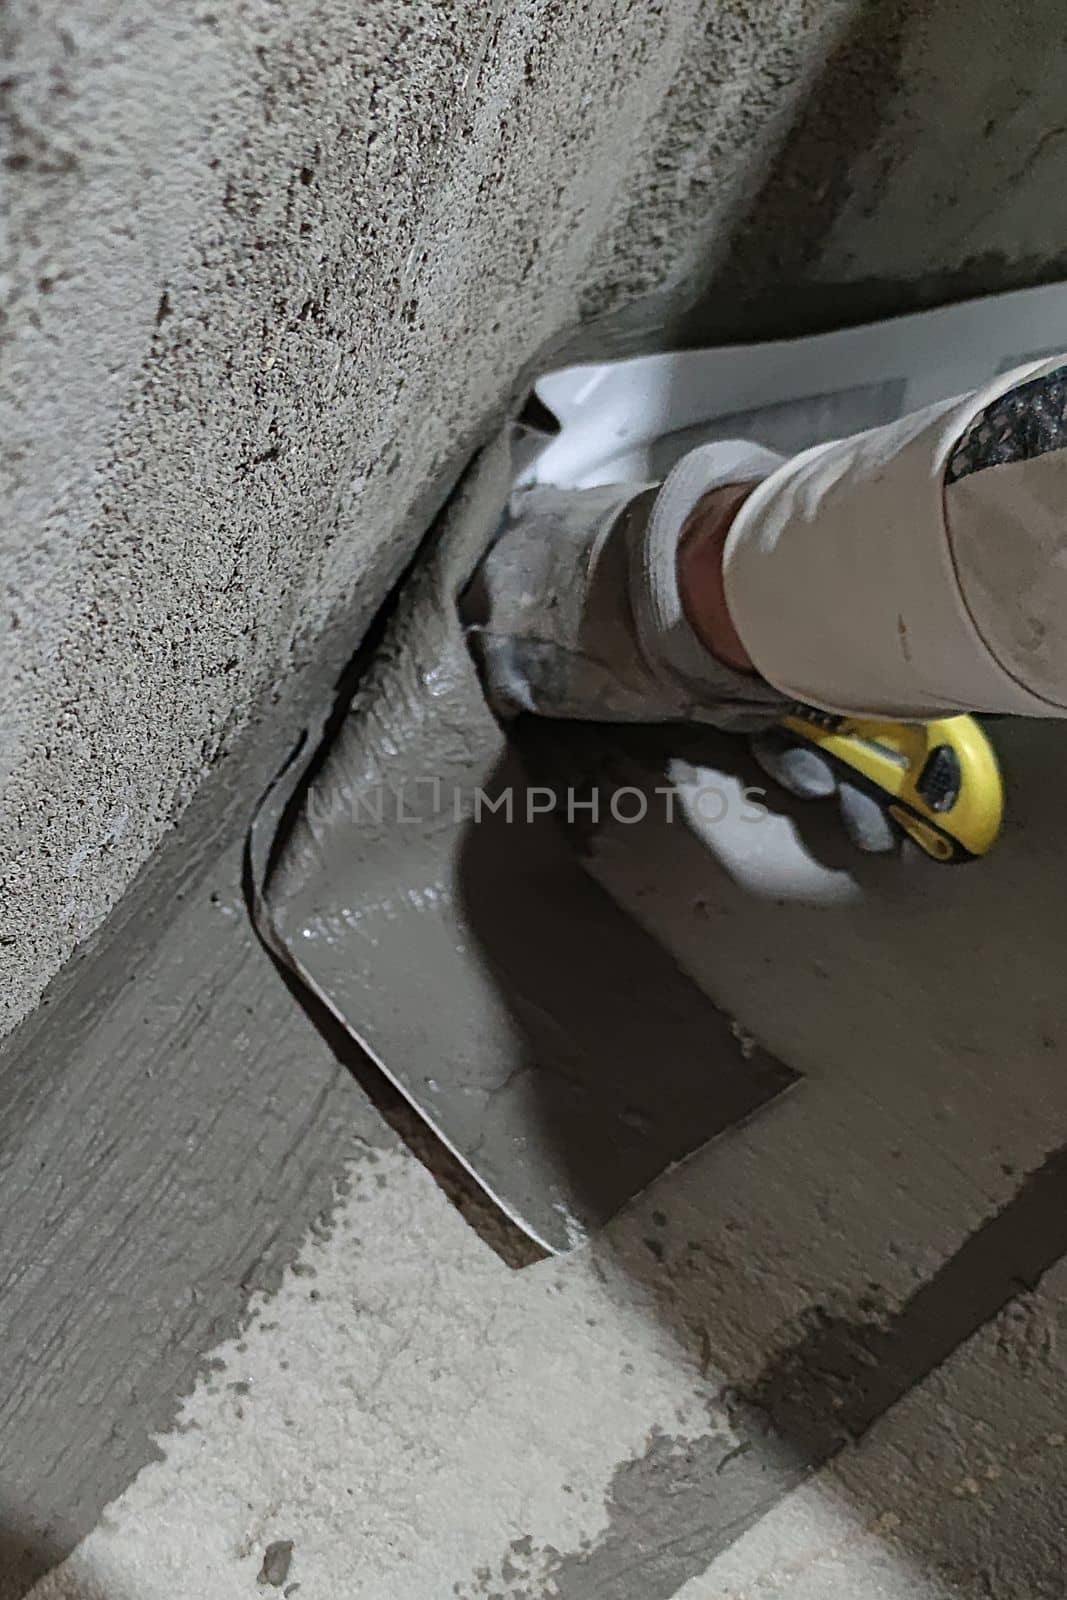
(866, 823)
(798, 768)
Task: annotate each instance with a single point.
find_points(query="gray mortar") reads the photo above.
(175, 287)
(548, 1003)
(165, 1149)
(268, 272)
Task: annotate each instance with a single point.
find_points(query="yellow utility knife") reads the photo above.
(938, 781)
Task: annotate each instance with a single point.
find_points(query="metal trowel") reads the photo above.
(426, 893)
(429, 882)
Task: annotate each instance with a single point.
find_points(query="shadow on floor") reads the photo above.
(899, 1227)
(902, 995)
(26, 1556)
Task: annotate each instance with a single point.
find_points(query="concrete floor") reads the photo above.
(877, 1260)
(822, 1360)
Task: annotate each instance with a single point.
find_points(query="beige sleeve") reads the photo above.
(858, 583)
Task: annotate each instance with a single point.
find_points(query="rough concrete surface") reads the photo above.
(822, 1361)
(269, 271)
(166, 1143)
(666, 1412)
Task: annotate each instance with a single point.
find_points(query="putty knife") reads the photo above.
(427, 894)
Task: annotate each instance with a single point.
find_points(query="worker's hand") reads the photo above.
(811, 776)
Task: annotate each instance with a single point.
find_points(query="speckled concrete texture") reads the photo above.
(269, 273)
(733, 1394)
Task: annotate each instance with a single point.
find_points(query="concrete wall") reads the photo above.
(272, 269)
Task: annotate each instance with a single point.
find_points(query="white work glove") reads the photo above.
(809, 775)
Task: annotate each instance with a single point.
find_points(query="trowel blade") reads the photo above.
(552, 1044)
